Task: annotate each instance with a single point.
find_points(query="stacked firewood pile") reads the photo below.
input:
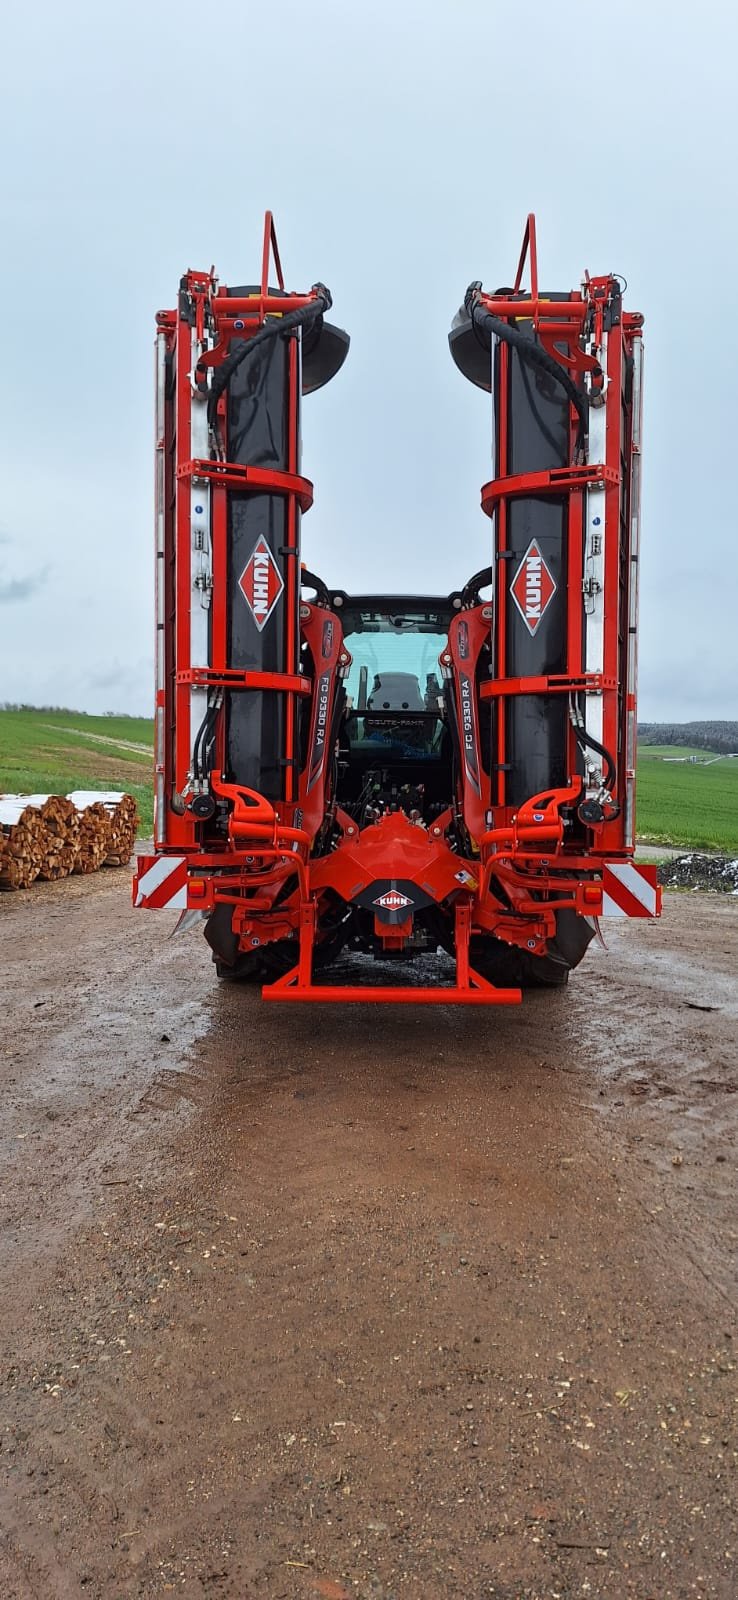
(49, 836)
(61, 819)
(94, 835)
(123, 820)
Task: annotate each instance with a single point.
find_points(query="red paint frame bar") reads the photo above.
(257, 479)
(236, 678)
(479, 993)
(559, 317)
(557, 480)
(593, 681)
(528, 250)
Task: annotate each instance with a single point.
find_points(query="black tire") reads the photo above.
(508, 966)
(219, 935)
(247, 969)
(234, 965)
(542, 972)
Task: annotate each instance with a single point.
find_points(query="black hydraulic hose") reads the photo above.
(273, 328)
(584, 738)
(308, 580)
(208, 751)
(196, 745)
(196, 769)
(480, 580)
(203, 732)
(485, 324)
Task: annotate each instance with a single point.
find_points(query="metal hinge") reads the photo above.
(590, 590)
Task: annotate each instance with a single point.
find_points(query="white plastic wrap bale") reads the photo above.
(19, 801)
(82, 798)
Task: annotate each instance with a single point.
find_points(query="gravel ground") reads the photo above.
(364, 1303)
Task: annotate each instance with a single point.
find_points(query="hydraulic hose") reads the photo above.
(202, 738)
(273, 328)
(485, 325)
(309, 580)
(480, 580)
(585, 740)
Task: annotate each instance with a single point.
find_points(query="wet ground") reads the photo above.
(363, 1302)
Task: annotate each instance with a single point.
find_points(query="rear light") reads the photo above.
(197, 888)
(592, 894)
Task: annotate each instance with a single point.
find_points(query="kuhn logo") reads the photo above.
(392, 900)
(261, 583)
(532, 588)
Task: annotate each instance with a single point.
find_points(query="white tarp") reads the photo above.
(26, 799)
(82, 798)
(13, 805)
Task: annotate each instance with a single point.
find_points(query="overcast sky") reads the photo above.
(400, 146)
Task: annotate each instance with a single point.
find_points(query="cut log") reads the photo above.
(62, 822)
(25, 842)
(123, 817)
(93, 838)
(123, 824)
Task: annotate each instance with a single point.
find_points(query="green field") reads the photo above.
(684, 804)
(51, 752)
(55, 751)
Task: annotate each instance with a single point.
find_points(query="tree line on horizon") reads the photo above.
(722, 737)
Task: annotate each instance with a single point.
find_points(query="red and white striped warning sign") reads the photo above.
(629, 890)
(160, 883)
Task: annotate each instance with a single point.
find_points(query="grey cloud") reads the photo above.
(124, 687)
(14, 590)
(120, 677)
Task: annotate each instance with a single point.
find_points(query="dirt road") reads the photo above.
(364, 1303)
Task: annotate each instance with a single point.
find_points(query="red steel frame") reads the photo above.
(176, 830)
(562, 322)
(520, 870)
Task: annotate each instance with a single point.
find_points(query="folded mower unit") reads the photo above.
(397, 775)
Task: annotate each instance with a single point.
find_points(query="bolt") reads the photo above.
(256, 941)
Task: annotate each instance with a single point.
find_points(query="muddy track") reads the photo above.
(327, 1302)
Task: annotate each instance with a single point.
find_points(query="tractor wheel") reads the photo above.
(508, 966)
(246, 969)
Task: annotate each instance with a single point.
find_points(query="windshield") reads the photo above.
(395, 661)
(395, 688)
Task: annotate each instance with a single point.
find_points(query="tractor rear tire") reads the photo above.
(507, 966)
(246, 969)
